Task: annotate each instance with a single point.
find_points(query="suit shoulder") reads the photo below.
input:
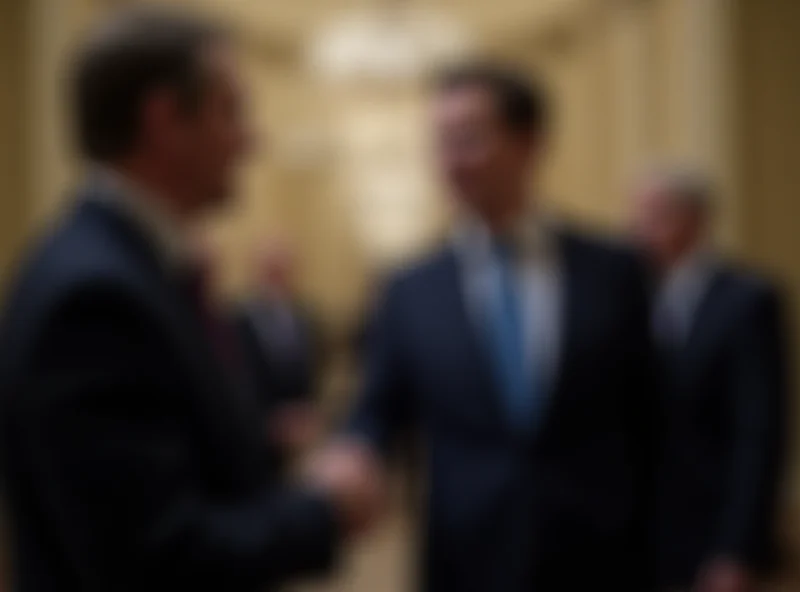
(67, 261)
(421, 270)
(604, 250)
(409, 278)
(753, 287)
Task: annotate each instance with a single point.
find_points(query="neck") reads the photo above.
(678, 258)
(159, 189)
(502, 216)
(273, 294)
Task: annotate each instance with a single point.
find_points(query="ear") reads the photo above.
(531, 144)
(159, 116)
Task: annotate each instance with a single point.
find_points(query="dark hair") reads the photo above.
(125, 60)
(521, 101)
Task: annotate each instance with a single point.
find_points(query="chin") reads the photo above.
(218, 199)
(465, 195)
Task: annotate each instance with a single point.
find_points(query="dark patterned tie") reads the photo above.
(219, 333)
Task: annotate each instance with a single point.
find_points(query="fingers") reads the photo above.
(295, 428)
(350, 473)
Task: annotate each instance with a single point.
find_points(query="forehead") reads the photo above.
(656, 195)
(470, 101)
(276, 255)
(219, 60)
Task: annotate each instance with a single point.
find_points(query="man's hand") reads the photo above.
(724, 576)
(352, 475)
(294, 427)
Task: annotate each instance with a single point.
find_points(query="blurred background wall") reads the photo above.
(342, 169)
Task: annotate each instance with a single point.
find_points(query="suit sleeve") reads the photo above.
(115, 462)
(643, 417)
(759, 389)
(383, 410)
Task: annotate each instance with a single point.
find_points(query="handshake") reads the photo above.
(352, 477)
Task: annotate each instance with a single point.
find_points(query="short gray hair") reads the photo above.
(690, 187)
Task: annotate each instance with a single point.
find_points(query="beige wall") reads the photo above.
(631, 81)
(14, 182)
(638, 82)
(768, 159)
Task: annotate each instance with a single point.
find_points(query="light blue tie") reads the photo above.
(507, 341)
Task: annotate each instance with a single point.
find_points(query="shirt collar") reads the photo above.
(137, 204)
(531, 235)
(690, 276)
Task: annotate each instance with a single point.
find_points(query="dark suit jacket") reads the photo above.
(280, 379)
(724, 408)
(131, 460)
(562, 509)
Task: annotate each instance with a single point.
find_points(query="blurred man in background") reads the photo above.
(131, 458)
(521, 353)
(720, 339)
(282, 349)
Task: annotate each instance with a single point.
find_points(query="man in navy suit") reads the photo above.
(133, 452)
(721, 341)
(519, 354)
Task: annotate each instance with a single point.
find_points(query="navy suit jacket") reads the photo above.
(131, 459)
(724, 409)
(563, 508)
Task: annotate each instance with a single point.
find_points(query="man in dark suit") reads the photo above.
(132, 455)
(720, 337)
(519, 353)
(281, 348)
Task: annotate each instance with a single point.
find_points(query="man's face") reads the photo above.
(200, 147)
(277, 267)
(480, 158)
(221, 136)
(661, 226)
(204, 259)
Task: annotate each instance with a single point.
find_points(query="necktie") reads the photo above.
(285, 332)
(219, 334)
(508, 343)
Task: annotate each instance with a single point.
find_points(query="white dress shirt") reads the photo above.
(680, 296)
(132, 201)
(276, 326)
(538, 272)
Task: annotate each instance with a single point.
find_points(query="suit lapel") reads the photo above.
(218, 387)
(259, 321)
(702, 317)
(575, 311)
(700, 314)
(468, 338)
(155, 269)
